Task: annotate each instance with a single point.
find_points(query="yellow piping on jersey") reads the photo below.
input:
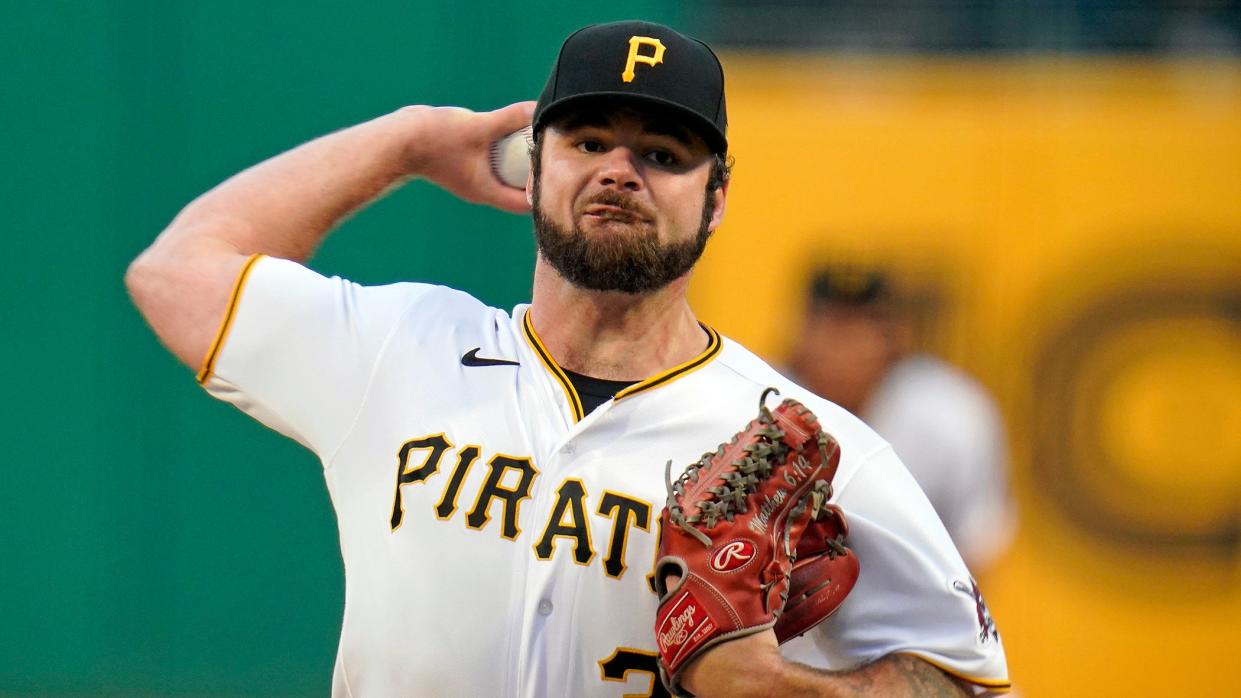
(713, 348)
(575, 402)
(226, 322)
(997, 685)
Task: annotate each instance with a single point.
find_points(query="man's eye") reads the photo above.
(662, 158)
(589, 146)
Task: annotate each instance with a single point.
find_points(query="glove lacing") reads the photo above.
(740, 482)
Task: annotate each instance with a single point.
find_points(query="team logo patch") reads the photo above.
(683, 625)
(986, 625)
(636, 56)
(732, 556)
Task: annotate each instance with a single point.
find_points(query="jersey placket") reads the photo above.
(552, 427)
(561, 436)
(546, 635)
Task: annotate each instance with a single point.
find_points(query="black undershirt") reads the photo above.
(594, 391)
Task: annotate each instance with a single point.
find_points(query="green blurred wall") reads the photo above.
(152, 540)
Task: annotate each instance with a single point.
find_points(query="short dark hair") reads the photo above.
(850, 285)
(721, 171)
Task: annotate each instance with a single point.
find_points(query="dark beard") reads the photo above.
(635, 263)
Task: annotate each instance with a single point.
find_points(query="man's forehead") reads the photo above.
(662, 122)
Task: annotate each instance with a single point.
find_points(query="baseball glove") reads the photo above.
(731, 529)
(823, 574)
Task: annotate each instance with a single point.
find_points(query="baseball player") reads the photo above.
(498, 477)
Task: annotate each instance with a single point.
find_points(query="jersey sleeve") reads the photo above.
(296, 350)
(980, 517)
(914, 594)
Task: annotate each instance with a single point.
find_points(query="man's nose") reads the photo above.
(619, 169)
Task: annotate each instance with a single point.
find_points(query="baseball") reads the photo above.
(510, 158)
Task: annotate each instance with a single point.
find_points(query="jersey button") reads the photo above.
(545, 607)
(568, 449)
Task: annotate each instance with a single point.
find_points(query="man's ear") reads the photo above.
(717, 210)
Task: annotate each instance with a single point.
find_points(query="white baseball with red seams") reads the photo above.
(510, 157)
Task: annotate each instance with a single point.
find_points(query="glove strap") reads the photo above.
(684, 624)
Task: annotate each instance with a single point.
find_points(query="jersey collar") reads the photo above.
(655, 381)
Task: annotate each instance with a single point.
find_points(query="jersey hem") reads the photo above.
(226, 322)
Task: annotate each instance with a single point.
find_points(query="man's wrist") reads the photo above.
(408, 125)
(742, 667)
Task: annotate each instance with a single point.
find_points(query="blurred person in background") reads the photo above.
(857, 346)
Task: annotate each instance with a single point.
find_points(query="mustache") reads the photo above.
(609, 197)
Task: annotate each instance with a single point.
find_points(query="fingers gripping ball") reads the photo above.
(731, 528)
(510, 158)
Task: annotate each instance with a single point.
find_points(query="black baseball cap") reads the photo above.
(643, 63)
(849, 285)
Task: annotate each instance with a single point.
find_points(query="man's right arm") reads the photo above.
(286, 206)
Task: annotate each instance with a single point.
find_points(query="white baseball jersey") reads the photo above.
(498, 542)
(948, 432)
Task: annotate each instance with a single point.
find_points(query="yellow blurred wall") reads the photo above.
(1087, 216)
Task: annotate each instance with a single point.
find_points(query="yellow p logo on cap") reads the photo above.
(636, 43)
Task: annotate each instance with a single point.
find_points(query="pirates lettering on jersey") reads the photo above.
(435, 445)
(570, 501)
(510, 498)
(493, 488)
(509, 479)
(448, 503)
(625, 512)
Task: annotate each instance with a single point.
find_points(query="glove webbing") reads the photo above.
(740, 482)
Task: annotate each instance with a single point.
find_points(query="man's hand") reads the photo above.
(285, 207)
(451, 147)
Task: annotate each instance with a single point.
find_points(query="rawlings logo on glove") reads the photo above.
(733, 556)
(733, 532)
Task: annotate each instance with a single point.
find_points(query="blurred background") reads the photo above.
(1055, 185)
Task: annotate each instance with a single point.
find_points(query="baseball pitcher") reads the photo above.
(593, 494)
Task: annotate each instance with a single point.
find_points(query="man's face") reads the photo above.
(620, 199)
